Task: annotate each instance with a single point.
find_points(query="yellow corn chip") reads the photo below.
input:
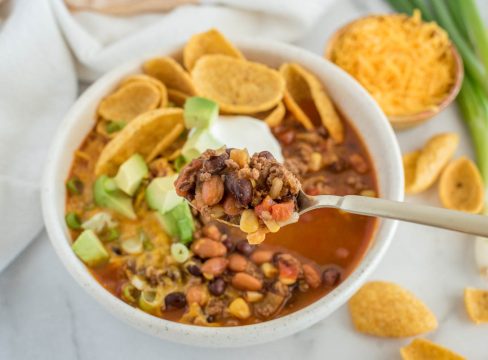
(386, 309)
(208, 43)
(155, 82)
(432, 159)
(238, 86)
(275, 117)
(177, 97)
(476, 303)
(422, 349)
(141, 135)
(129, 101)
(461, 187)
(410, 168)
(307, 100)
(170, 73)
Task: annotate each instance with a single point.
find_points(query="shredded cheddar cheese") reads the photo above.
(407, 65)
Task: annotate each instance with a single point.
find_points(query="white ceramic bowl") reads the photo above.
(355, 103)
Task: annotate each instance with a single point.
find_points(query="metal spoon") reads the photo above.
(419, 214)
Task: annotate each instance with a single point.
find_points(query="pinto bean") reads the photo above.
(237, 262)
(212, 190)
(207, 248)
(331, 276)
(230, 206)
(262, 256)
(243, 281)
(241, 189)
(212, 231)
(214, 266)
(196, 294)
(312, 276)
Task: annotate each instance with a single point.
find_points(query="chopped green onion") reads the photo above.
(99, 222)
(114, 126)
(150, 301)
(146, 241)
(138, 282)
(74, 186)
(73, 221)
(129, 293)
(180, 252)
(132, 246)
(179, 163)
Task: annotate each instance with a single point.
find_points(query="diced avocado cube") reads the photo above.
(200, 113)
(115, 200)
(185, 228)
(178, 222)
(168, 223)
(198, 142)
(131, 173)
(90, 249)
(161, 194)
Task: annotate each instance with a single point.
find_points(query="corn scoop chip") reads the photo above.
(151, 80)
(409, 167)
(139, 136)
(476, 303)
(386, 309)
(129, 101)
(423, 349)
(432, 159)
(461, 187)
(275, 117)
(304, 91)
(208, 43)
(170, 73)
(238, 86)
(177, 97)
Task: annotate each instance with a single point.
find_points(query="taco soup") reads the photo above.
(148, 247)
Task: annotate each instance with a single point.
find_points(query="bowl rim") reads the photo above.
(407, 120)
(198, 335)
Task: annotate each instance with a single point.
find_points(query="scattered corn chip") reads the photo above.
(461, 187)
(307, 99)
(422, 349)
(272, 117)
(239, 86)
(386, 309)
(432, 159)
(476, 303)
(410, 167)
(170, 73)
(129, 101)
(155, 82)
(141, 135)
(208, 43)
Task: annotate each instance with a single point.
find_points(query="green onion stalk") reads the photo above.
(463, 23)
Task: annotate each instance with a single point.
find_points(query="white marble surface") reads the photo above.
(44, 314)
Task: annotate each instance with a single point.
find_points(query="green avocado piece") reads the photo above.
(200, 112)
(131, 173)
(115, 200)
(161, 194)
(178, 222)
(198, 142)
(90, 249)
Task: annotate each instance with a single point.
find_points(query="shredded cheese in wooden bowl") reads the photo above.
(410, 67)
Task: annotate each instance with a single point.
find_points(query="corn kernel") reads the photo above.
(269, 270)
(315, 161)
(253, 296)
(249, 221)
(241, 157)
(240, 309)
(272, 225)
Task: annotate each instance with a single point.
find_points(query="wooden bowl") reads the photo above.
(400, 122)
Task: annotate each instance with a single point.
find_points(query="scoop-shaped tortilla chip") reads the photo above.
(410, 168)
(169, 72)
(177, 97)
(386, 309)
(307, 100)
(238, 86)
(208, 43)
(275, 117)
(423, 349)
(129, 101)
(155, 82)
(461, 187)
(476, 303)
(141, 135)
(433, 158)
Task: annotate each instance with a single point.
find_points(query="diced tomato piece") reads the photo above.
(283, 211)
(265, 205)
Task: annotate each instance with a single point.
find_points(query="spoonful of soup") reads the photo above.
(260, 195)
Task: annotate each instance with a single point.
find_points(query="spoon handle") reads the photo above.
(420, 214)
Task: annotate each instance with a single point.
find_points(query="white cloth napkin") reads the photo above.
(45, 49)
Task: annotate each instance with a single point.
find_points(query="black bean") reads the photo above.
(210, 318)
(245, 248)
(331, 276)
(229, 244)
(194, 270)
(267, 155)
(241, 189)
(215, 164)
(216, 286)
(175, 300)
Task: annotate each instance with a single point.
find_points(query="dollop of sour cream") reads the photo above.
(246, 132)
